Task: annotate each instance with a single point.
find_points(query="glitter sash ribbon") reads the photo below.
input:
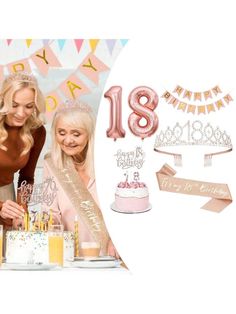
(83, 202)
(218, 192)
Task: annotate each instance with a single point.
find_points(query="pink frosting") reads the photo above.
(131, 185)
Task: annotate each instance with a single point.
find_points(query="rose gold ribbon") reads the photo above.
(219, 193)
(83, 202)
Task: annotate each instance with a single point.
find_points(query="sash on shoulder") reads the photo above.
(82, 201)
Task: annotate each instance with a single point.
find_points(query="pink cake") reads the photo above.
(132, 197)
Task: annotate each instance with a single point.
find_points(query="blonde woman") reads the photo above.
(22, 136)
(71, 166)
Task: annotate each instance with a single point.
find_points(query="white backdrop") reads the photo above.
(186, 251)
(182, 258)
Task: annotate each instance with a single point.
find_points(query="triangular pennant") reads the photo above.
(28, 42)
(45, 58)
(207, 94)
(111, 44)
(52, 100)
(216, 90)
(78, 44)
(174, 101)
(124, 41)
(210, 108)
(201, 109)
(73, 87)
(61, 43)
(166, 95)
(178, 89)
(228, 98)
(91, 67)
(182, 106)
(187, 94)
(9, 41)
(191, 109)
(93, 44)
(197, 96)
(19, 65)
(45, 41)
(219, 104)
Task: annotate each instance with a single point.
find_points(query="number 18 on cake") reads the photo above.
(131, 195)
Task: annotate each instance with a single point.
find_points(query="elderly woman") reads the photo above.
(22, 136)
(70, 164)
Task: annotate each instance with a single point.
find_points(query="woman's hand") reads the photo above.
(12, 210)
(111, 250)
(18, 224)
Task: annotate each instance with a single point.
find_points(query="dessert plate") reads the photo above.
(113, 207)
(11, 266)
(94, 264)
(92, 258)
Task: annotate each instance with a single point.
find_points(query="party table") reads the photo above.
(82, 265)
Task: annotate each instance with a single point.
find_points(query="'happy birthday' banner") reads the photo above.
(194, 108)
(46, 57)
(73, 87)
(43, 58)
(190, 95)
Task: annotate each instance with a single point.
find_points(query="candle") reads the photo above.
(76, 224)
(42, 226)
(50, 223)
(39, 222)
(26, 221)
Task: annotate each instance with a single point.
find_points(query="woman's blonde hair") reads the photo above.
(10, 86)
(78, 116)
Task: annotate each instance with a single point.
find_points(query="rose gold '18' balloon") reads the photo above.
(114, 94)
(143, 111)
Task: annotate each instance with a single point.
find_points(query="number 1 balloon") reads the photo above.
(115, 130)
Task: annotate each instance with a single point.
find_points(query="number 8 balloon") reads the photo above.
(143, 111)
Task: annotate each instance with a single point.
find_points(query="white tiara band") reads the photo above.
(21, 76)
(193, 134)
(69, 105)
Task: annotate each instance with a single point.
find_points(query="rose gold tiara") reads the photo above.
(21, 76)
(195, 133)
(69, 105)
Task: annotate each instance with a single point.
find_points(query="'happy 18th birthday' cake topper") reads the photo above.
(132, 195)
(131, 159)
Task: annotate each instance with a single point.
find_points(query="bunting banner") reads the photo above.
(73, 87)
(47, 58)
(195, 108)
(190, 95)
(78, 43)
(43, 58)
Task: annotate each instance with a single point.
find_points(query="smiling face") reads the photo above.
(72, 140)
(23, 105)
